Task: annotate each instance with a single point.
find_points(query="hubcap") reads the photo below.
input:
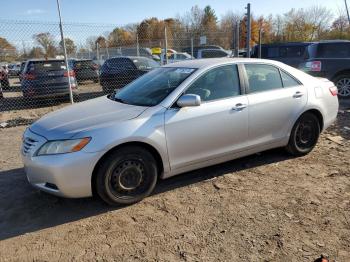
(343, 86)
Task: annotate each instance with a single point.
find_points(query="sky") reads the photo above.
(120, 12)
(96, 17)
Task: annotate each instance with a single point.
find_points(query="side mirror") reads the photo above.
(189, 100)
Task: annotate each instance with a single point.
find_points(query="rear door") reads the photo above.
(275, 100)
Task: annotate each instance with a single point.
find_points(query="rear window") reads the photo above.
(311, 51)
(334, 50)
(84, 64)
(143, 63)
(46, 66)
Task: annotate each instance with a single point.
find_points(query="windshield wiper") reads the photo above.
(119, 100)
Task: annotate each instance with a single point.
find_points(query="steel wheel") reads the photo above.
(304, 135)
(126, 176)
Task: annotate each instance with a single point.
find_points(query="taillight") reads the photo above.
(314, 66)
(29, 77)
(333, 90)
(95, 67)
(69, 73)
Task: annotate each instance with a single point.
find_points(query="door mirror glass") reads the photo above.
(189, 100)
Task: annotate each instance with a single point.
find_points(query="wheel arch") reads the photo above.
(342, 72)
(318, 114)
(148, 147)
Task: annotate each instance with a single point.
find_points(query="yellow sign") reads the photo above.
(156, 50)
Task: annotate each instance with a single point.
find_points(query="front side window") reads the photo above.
(218, 83)
(263, 77)
(153, 87)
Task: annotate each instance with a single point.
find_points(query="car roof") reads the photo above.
(129, 57)
(209, 62)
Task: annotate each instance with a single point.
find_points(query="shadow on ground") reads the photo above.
(25, 209)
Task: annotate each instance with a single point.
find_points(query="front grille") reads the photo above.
(28, 144)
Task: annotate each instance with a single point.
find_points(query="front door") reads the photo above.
(219, 126)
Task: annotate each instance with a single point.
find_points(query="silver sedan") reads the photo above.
(174, 119)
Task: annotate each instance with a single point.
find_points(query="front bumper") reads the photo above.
(69, 173)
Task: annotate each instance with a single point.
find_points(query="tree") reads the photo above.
(120, 37)
(47, 42)
(36, 52)
(7, 51)
(71, 48)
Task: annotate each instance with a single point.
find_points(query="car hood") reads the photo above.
(84, 116)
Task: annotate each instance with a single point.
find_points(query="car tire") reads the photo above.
(342, 82)
(126, 176)
(304, 135)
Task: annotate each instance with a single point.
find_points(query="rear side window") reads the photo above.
(292, 51)
(213, 53)
(46, 66)
(273, 52)
(288, 80)
(218, 83)
(263, 77)
(120, 63)
(334, 50)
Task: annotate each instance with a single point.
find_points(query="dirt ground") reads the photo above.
(266, 207)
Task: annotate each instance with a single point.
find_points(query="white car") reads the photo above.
(176, 118)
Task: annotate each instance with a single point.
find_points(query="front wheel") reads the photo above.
(126, 176)
(304, 135)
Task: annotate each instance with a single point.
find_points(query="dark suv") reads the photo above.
(119, 71)
(330, 59)
(47, 78)
(289, 53)
(84, 70)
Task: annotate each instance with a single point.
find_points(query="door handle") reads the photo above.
(239, 107)
(298, 94)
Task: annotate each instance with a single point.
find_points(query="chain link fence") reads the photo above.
(101, 58)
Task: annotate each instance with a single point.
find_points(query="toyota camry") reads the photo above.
(174, 119)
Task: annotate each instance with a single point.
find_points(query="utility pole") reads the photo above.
(65, 53)
(347, 10)
(248, 29)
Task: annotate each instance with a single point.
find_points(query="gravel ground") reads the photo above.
(266, 207)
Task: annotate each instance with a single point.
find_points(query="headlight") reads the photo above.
(63, 146)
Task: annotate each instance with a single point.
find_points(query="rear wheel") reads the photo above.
(304, 135)
(126, 176)
(343, 84)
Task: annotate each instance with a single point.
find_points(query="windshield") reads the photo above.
(153, 87)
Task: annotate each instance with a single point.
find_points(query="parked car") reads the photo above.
(289, 53)
(4, 78)
(142, 51)
(176, 118)
(20, 75)
(14, 70)
(212, 53)
(330, 59)
(176, 57)
(119, 71)
(46, 78)
(85, 69)
(188, 50)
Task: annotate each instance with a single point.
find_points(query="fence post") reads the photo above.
(248, 30)
(166, 45)
(192, 47)
(260, 35)
(65, 54)
(137, 44)
(237, 39)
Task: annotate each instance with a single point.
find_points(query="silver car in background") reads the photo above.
(174, 119)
